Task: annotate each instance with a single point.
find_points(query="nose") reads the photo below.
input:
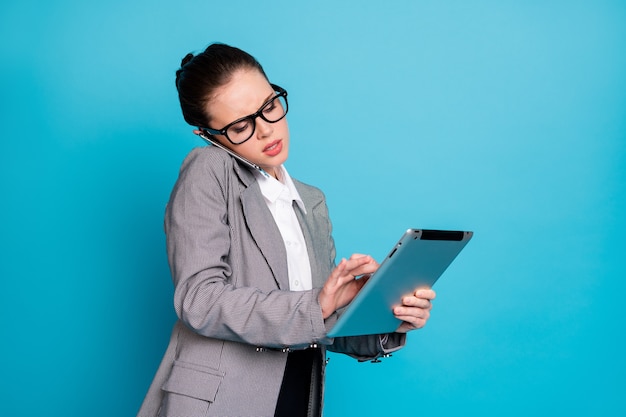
(263, 128)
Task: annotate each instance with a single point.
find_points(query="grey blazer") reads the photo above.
(226, 355)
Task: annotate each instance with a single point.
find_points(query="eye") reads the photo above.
(270, 107)
(240, 127)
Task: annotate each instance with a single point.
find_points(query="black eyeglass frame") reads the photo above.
(281, 92)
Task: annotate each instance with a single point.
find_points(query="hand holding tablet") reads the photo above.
(418, 259)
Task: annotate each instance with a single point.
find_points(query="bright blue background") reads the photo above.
(503, 117)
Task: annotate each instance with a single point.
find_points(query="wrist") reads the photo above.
(326, 310)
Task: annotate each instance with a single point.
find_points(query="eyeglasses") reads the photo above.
(242, 129)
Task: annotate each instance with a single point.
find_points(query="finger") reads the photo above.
(407, 326)
(360, 266)
(425, 293)
(347, 270)
(337, 272)
(411, 301)
(341, 275)
(416, 321)
(340, 268)
(356, 256)
(355, 261)
(406, 313)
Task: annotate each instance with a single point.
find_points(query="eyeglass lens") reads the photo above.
(273, 111)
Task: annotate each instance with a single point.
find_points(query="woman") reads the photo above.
(252, 259)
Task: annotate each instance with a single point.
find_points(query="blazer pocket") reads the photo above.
(193, 381)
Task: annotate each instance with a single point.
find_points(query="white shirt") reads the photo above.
(279, 196)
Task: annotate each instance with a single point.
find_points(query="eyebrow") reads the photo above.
(268, 98)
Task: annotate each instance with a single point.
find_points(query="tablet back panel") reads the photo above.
(417, 260)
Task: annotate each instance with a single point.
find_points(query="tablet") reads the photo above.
(417, 260)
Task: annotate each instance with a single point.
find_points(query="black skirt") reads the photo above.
(301, 389)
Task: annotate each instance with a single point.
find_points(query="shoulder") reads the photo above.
(209, 163)
(206, 173)
(206, 158)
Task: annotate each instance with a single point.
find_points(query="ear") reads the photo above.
(197, 131)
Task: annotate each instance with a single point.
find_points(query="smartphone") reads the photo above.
(208, 139)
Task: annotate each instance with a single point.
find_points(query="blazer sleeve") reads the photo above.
(199, 243)
(369, 347)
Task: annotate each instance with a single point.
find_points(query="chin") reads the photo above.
(283, 159)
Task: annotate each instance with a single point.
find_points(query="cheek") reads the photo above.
(284, 128)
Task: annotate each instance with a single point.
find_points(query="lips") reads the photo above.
(273, 148)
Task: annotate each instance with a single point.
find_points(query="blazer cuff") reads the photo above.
(392, 342)
(321, 326)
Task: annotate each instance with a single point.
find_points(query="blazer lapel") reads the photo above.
(308, 225)
(306, 232)
(265, 233)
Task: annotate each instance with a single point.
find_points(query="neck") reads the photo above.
(273, 172)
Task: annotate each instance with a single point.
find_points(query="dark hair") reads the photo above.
(199, 76)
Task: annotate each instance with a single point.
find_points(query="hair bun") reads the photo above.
(186, 59)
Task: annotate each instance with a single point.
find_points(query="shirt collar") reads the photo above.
(271, 188)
